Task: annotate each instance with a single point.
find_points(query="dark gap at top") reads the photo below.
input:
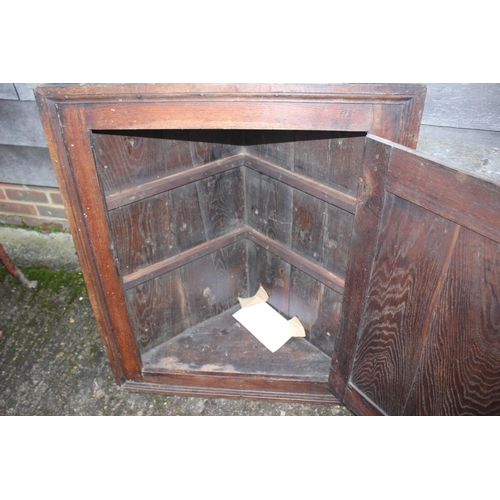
(234, 137)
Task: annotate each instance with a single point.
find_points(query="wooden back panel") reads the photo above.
(285, 210)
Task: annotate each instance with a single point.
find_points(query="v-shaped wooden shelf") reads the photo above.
(320, 191)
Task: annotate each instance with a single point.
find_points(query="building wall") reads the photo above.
(460, 126)
(29, 194)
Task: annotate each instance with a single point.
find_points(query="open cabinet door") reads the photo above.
(421, 321)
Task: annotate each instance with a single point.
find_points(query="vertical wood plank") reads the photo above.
(269, 206)
(176, 150)
(326, 329)
(143, 233)
(318, 309)
(370, 197)
(273, 273)
(165, 306)
(128, 158)
(332, 158)
(222, 204)
(187, 223)
(102, 278)
(214, 282)
(158, 310)
(305, 299)
(412, 256)
(161, 226)
(460, 367)
(275, 146)
(321, 232)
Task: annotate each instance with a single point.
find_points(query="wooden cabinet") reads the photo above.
(181, 198)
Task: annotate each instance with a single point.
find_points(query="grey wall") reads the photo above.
(24, 158)
(460, 126)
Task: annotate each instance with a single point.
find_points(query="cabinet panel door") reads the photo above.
(427, 341)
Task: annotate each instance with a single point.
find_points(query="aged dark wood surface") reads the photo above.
(429, 338)
(187, 295)
(221, 344)
(460, 366)
(221, 356)
(363, 240)
(95, 245)
(414, 252)
(390, 111)
(167, 217)
(169, 233)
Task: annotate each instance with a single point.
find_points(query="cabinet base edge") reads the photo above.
(230, 393)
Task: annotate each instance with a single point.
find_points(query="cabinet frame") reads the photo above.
(70, 114)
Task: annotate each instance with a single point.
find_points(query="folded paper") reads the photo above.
(265, 323)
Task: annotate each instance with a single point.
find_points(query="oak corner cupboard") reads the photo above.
(183, 197)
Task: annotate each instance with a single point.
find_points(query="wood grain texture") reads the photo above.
(268, 270)
(234, 114)
(159, 227)
(140, 191)
(142, 233)
(220, 358)
(247, 106)
(101, 274)
(318, 309)
(164, 307)
(186, 225)
(309, 267)
(222, 345)
(412, 256)
(459, 372)
(210, 283)
(127, 158)
(269, 206)
(331, 158)
(275, 146)
(214, 283)
(321, 232)
(222, 202)
(328, 194)
(370, 196)
(360, 404)
(158, 309)
(180, 259)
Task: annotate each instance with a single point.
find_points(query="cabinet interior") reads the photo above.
(199, 218)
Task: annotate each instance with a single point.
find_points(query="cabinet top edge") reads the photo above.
(92, 91)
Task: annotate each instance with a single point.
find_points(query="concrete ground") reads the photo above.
(51, 357)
